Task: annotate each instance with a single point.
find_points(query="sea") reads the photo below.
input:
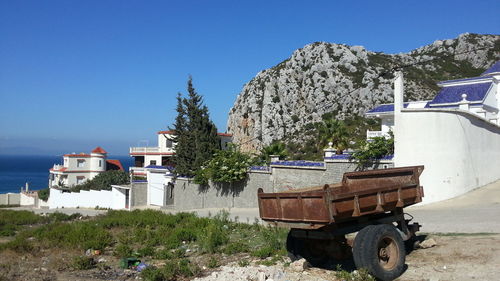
(16, 171)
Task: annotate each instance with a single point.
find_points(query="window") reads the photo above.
(100, 163)
(80, 180)
(169, 143)
(80, 163)
(152, 162)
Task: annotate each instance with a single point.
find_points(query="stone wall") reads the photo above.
(189, 195)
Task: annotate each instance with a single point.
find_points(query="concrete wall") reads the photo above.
(459, 150)
(189, 195)
(28, 199)
(139, 195)
(10, 199)
(114, 199)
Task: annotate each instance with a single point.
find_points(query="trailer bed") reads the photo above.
(359, 194)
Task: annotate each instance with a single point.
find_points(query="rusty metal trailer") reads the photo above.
(368, 202)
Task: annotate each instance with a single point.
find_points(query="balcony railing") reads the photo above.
(373, 134)
(151, 149)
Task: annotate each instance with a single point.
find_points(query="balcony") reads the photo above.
(150, 149)
(373, 134)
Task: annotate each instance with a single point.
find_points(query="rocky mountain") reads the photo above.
(344, 81)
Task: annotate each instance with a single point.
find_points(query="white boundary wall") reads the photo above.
(460, 151)
(113, 199)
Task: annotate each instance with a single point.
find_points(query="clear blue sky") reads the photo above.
(76, 74)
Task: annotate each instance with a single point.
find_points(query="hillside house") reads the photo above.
(456, 135)
(78, 168)
(478, 95)
(161, 155)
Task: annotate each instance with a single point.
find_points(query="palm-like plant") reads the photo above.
(275, 148)
(334, 131)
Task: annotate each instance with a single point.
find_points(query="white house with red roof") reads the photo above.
(161, 155)
(78, 168)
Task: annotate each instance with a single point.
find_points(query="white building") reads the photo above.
(478, 95)
(78, 168)
(161, 155)
(456, 136)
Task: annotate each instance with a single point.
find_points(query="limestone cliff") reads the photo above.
(345, 81)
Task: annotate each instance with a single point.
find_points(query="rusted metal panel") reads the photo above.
(360, 193)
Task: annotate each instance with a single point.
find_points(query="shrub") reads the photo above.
(236, 247)
(226, 166)
(123, 250)
(212, 262)
(263, 252)
(152, 274)
(43, 194)
(83, 263)
(213, 237)
(374, 149)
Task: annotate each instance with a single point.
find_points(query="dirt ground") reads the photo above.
(455, 257)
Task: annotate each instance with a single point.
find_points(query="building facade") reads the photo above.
(161, 155)
(478, 95)
(78, 168)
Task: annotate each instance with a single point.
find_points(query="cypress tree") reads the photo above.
(195, 134)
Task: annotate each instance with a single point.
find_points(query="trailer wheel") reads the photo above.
(358, 247)
(383, 252)
(294, 247)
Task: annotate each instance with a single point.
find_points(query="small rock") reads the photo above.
(261, 276)
(299, 265)
(101, 260)
(428, 243)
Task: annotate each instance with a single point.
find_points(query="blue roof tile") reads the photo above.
(494, 68)
(385, 108)
(452, 94)
(300, 163)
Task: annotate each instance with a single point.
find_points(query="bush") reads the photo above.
(103, 181)
(172, 270)
(373, 150)
(212, 262)
(226, 166)
(43, 194)
(152, 274)
(83, 263)
(123, 250)
(236, 247)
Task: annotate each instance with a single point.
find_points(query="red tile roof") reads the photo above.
(99, 150)
(77, 155)
(225, 135)
(114, 164)
(170, 132)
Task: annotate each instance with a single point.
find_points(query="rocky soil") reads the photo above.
(453, 257)
(345, 81)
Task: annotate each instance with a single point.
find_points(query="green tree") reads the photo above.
(103, 181)
(195, 134)
(373, 150)
(275, 148)
(226, 166)
(334, 131)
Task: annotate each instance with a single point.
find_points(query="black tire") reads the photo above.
(358, 247)
(383, 252)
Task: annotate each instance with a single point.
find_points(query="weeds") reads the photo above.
(83, 263)
(212, 262)
(357, 275)
(243, 263)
